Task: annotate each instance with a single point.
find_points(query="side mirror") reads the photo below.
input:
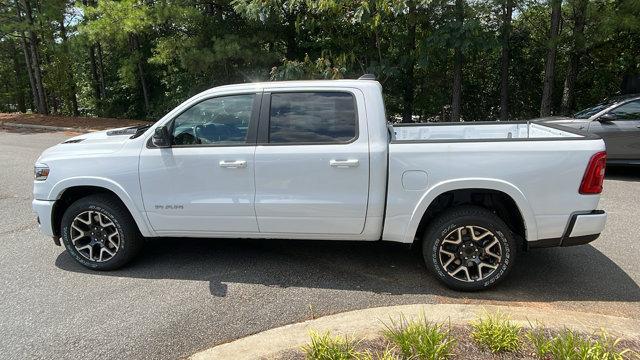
(607, 117)
(161, 137)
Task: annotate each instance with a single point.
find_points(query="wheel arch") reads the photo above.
(506, 197)
(71, 190)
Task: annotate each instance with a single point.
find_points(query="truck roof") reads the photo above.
(347, 83)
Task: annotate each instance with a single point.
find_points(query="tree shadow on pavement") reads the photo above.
(562, 274)
(622, 173)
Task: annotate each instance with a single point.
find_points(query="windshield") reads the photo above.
(589, 112)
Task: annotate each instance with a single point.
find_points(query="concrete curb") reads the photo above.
(368, 323)
(45, 127)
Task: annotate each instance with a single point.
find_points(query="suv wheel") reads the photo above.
(469, 248)
(99, 233)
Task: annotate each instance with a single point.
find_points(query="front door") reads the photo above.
(204, 183)
(622, 134)
(312, 163)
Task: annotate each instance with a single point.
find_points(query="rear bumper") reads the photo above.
(44, 209)
(582, 228)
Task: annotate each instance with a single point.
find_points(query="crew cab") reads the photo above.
(318, 160)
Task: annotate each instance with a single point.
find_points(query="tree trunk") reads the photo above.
(145, 90)
(94, 74)
(97, 69)
(507, 11)
(290, 37)
(18, 90)
(35, 61)
(568, 93)
(140, 66)
(73, 98)
(409, 81)
(27, 60)
(102, 82)
(456, 92)
(97, 72)
(32, 80)
(550, 64)
(54, 102)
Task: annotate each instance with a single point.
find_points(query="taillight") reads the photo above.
(594, 175)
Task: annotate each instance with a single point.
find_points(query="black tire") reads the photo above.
(445, 228)
(129, 240)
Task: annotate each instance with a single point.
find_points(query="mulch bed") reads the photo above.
(466, 348)
(69, 121)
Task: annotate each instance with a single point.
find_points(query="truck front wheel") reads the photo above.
(469, 248)
(99, 233)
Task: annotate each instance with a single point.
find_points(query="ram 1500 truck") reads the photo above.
(318, 160)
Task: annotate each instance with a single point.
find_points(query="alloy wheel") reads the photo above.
(95, 236)
(470, 253)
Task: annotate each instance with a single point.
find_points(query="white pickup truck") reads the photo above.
(318, 160)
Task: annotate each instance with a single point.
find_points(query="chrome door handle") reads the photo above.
(344, 163)
(233, 164)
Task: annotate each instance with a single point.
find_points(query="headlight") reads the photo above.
(40, 172)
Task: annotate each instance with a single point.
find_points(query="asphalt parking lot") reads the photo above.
(184, 295)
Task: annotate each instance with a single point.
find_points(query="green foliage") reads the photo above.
(115, 49)
(387, 354)
(571, 345)
(130, 16)
(321, 68)
(327, 347)
(539, 338)
(420, 339)
(496, 332)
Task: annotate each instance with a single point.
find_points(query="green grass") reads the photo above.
(327, 347)
(424, 340)
(420, 339)
(571, 345)
(387, 354)
(540, 341)
(496, 332)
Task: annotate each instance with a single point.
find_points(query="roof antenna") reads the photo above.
(367, 77)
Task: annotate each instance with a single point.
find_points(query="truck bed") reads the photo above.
(539, 166)
(479, 131)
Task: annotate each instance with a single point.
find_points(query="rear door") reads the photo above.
(312, 162)
(622, 135)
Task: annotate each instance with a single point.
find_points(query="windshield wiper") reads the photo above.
(140, 130)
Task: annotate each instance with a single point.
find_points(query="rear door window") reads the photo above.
(312, 117)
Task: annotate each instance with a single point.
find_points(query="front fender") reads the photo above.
(473, 183)
(57, 190)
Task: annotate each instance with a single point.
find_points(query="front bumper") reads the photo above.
(44, 209)
(582, 228)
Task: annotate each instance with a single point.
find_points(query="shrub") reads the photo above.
(540, 342)
(571, 345)
(496, 332)
(327, 347)
(420, 339)
(387, 354)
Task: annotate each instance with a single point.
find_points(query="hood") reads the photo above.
(95, 143)
(561, 120)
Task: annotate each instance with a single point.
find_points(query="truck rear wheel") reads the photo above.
(469, 248)
(99, 233)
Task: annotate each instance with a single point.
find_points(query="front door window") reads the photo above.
(217, 121)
